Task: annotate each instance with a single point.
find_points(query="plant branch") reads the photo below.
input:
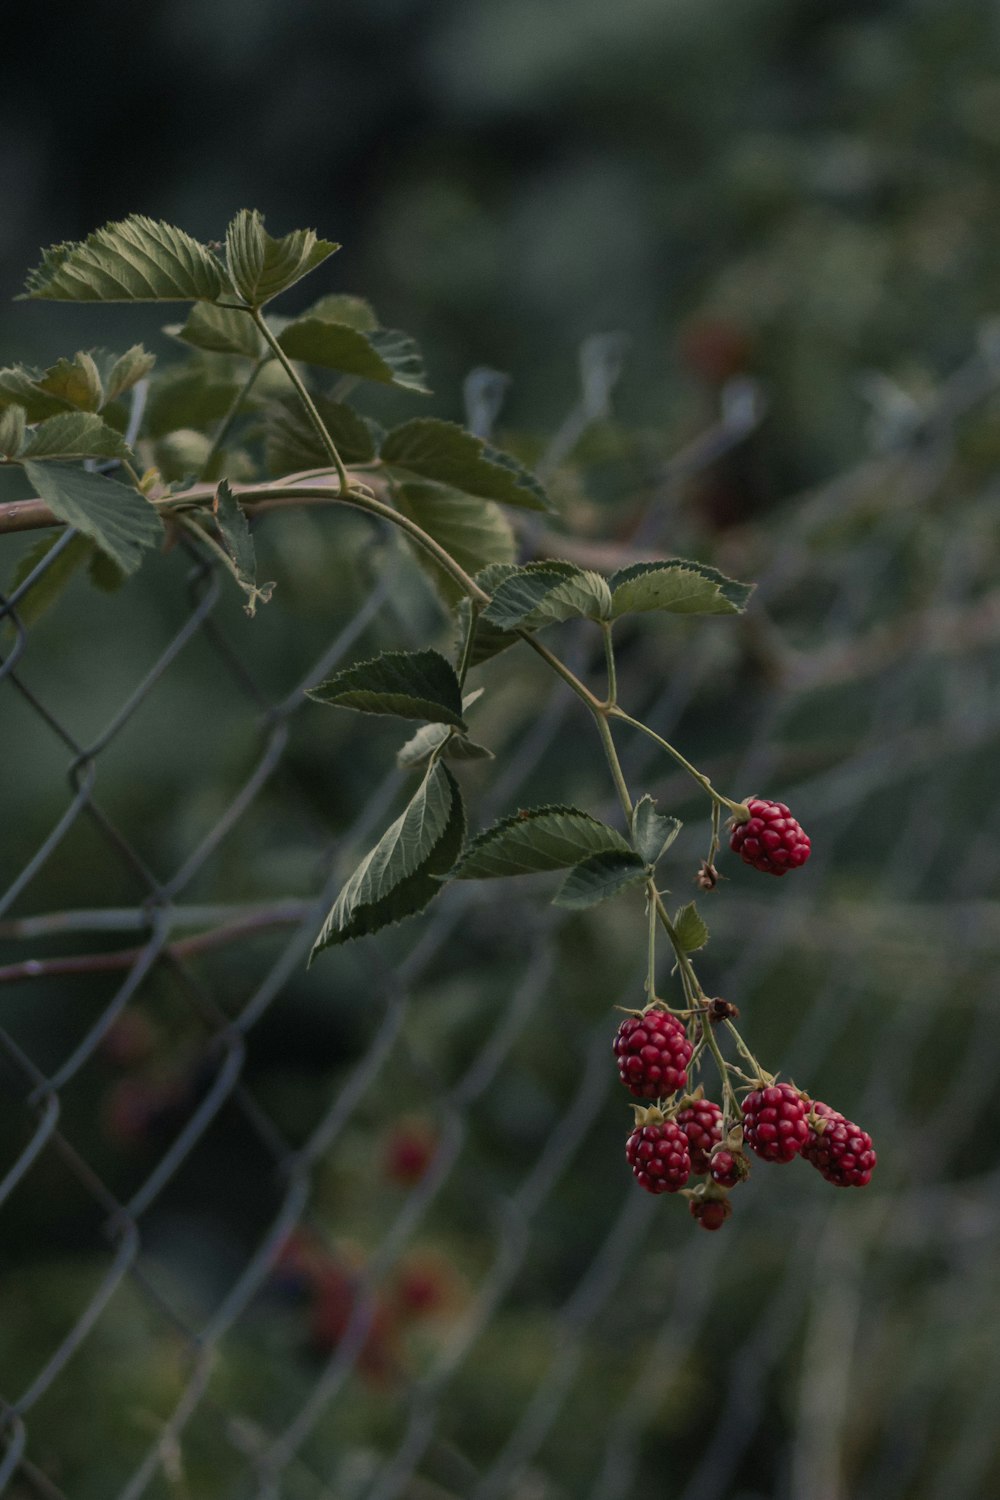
(225, 426)
(123, 958)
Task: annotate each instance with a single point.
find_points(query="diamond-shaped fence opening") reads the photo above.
(366, 1230)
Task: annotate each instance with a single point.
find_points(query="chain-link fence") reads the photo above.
(367, 1230)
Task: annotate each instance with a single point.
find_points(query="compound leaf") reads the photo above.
(135, 260)
(116, 517)
(445, 453)
(402, 874)
(408, 684)
(540, 838)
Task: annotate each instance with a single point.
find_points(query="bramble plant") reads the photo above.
(183, 459)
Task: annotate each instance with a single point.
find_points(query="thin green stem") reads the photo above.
(651, 942)
(738, 809)
(329, 446)
(468, 643)
(225, 426)
(692, 986)
(744, 1051)
(609, 657)
(614, 764)
(570, 678)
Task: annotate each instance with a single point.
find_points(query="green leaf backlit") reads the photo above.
(135, 260)
(544, 592)
(260, 266)
(679, 587)
(74, 435)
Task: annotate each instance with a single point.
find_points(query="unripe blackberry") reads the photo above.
(841, 1151)
(775, 1122)
(729, 1168)
(701, 1122)
(711, 1213)
(653, 1053)
(771, 840)
(658, 1155)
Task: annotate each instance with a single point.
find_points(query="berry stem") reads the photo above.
(739, 810)
(609, 657)
(760, 1076)
(651, 946)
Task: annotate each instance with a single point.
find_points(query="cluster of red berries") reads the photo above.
(669, 1146)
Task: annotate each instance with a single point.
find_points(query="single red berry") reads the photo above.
(771, 840)
(653, 1052)
(776, 1122)
(659, 1157)
(701, 1122)
(409, 1151)
(711, 1213)
(842, 1152)
(729, 1168)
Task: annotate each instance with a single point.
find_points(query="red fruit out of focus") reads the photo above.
(409, 1151)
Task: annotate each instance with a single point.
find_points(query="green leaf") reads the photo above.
(598, 878)
(692, 933)
(540, 838)
(380, 354)
(12, 430)
(49, 586)
(447, 454)
(219, 330)
(181, 454)
(408, 684)
(191, 395)
(126, 371)
(543, 592)
(291, 442)
(76, 381)
(402, 874)
(135, 260)
(475, 532)
(75, 435)
(20, 386)
(120, 520)
(260, 267)
(652, 832)
(429, 737)
(339, 307)
(235, 532)
(678, 586)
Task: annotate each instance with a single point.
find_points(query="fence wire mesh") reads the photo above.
(215, 1286)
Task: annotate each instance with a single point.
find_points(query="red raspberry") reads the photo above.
(775, 1122)
(653, 1053)
(701, 1122)
(409, 1150)
(658, 1156)
(711, 1213)
(771, 840)
(729, 1167)
(842, 1152)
